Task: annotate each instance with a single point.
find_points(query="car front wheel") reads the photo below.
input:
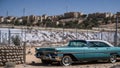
(113, 58)
(66, 61)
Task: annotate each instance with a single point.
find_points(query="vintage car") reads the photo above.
(79, 50)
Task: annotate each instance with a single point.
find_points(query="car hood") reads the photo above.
(51, 48)
(64, 48)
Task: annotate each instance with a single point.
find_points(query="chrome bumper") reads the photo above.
(49, 57)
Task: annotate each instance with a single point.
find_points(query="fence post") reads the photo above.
(115, 36)
(63, 33)
(76, 33)
(0, 37)
(101, 34)
(87, 34)
(24, 52)
(9, 36)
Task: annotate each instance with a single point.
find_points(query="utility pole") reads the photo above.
(66, 8)
(9, 33)
(25, 27)
(22, 24)
(23, 11)
(7, 13)
(24, 44)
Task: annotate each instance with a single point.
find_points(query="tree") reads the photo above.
(16, 40)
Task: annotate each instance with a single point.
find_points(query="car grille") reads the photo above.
(39, 54)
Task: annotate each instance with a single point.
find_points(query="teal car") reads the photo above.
(78, 51)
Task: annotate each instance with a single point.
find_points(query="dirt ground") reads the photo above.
(33, 62)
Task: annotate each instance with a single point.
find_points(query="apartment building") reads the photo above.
(72, 14)
(68, 16)
(1, 19)
(100, 15)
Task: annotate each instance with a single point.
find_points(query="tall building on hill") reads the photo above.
(72, 14)
(1, 19)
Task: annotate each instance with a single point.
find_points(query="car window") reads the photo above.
(98, 44)
(102, 44)
(92, 44)
(77, 44)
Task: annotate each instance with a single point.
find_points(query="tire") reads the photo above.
(66, 61)
(113, 58)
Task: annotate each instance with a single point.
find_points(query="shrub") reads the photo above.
(16, 40)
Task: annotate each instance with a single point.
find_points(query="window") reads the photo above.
(77, 44)
(98, 44)
(102, 44)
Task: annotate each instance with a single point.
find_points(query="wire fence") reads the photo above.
(45, 36)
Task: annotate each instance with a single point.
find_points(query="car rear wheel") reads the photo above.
(113, 58)
(66, 61)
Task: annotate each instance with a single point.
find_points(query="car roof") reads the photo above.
(95, 41)
(100, 41)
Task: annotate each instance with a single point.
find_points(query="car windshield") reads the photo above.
(77, 43)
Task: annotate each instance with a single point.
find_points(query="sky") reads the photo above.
(56, 7)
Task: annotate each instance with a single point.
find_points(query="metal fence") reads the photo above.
(6, 36)
(38, 36)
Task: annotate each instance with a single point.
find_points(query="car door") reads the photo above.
(79, 48)
(104, 50)
(96, 50)
(92, 53)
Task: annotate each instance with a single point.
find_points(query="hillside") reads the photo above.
(113, 25)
